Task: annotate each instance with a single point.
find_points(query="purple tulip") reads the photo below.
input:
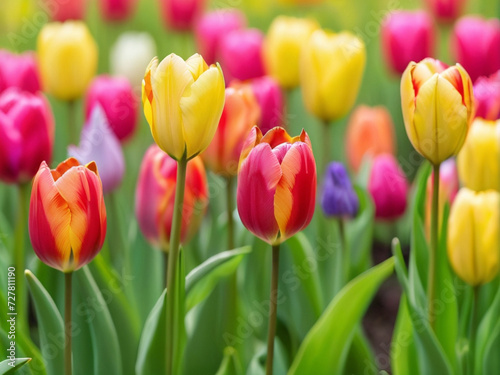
(338, 198)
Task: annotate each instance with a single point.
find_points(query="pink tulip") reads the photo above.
(241, 55)
(117, 10)
(446, 10)
(406, 37)
(181, 15)
(475, 45)
(26, 134)
(487, 95)
(19, 71)
(212, 26)
(388, 187)
(66, 10)
(270, 98)
(116, 96)
(98, 143)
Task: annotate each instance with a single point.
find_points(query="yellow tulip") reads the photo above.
(284, 41)
(331, 68)
(438, 107)
(183, 102)
(479, 159)
(67, 56)
(473, 230)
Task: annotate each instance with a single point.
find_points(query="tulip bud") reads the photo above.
(66, 10)
(276, 193)
(26, 134)
(370, 131)
(271, 103)
(240, 114)
(283, 44)
(131, 54)
(211, 28)
(331, 68)
(438, 107)
(117, 10)
(181, 14)
(183, 102)
(446, 10)
(388, 187)
(473, 228)
(67, 220)
(407, 37)
(487, 95)
(155, 195)
(98, 143)
(118, 101)
(475, 44)
(339, 198)
(478, 162)
(19, 71)
(241, 54)
(67, 55)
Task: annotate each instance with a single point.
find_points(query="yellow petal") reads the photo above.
(197, 66)
(408, 103)
(147, 92)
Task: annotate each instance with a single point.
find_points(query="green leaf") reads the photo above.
(360, 359)
(51, 326)
(487, 337)
(10, 367)
(258, 362)
(325, 347)
(107, 355)
(230, 363)
(403, 356)
(491, 361)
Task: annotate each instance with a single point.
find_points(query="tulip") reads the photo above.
(370, 131)
(438, 108)
(212, 26)
(98, 143)
(13, 18)
(478, 162)
(67, 56)
(283, 44)
(331, 69)
(66, 10)
(339, 198)
(277, 175)
(183, 102)
(181, 14)
(407, 37)
(475, 44)
(154, 197)
(446, 10)
(241, 54)
(473, 229)
(271, 103)
(130, 54)
(388, 187)
(67, 220)
(240, 114)
(119, 102)
(26, 134)
(117, 10)
(487, 95)
(19, 71)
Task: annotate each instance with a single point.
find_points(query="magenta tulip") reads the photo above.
(117, 10)
(119, 102)
(487, 95)
(26, 134)
(406, 37)
(446, 10)
(475, 45)
(272, 106)
(66, 10)
(19, 71)
(181, 15)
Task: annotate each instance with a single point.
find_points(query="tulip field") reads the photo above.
(249, 187)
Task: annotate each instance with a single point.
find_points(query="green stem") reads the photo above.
(19, 255)
(67, 322)
(72, 131)
(345, 252)
(473, 329)
(173, 259)
(229, 206)
(273, 309)
(326, 147)
(118, 250)
(434, 243)
(232, 286)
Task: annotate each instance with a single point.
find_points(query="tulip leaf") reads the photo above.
(360, 358)
(326, 345)
(10, 367)
(487, 336)
(403, 356)
(258, 362)
(230, 363)
(107, 355)
(491, 361)
(51, 326)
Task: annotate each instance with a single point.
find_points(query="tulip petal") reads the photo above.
(253, 138)
(276, 136)
(295, 197)
(257, 181)
(197, 66)
(147, 92)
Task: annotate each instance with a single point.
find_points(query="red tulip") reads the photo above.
(66, 10)
(406, 37)
(117, 10)
(155, 194)
(487, 95)
(117, 98)
(67, 220)
(26, 134)
(276, 192)
(446, 10)
(19, 71)
(181, 14)
(475, 45)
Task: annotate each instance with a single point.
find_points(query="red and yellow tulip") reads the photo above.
(277, 175)
(67, 220)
